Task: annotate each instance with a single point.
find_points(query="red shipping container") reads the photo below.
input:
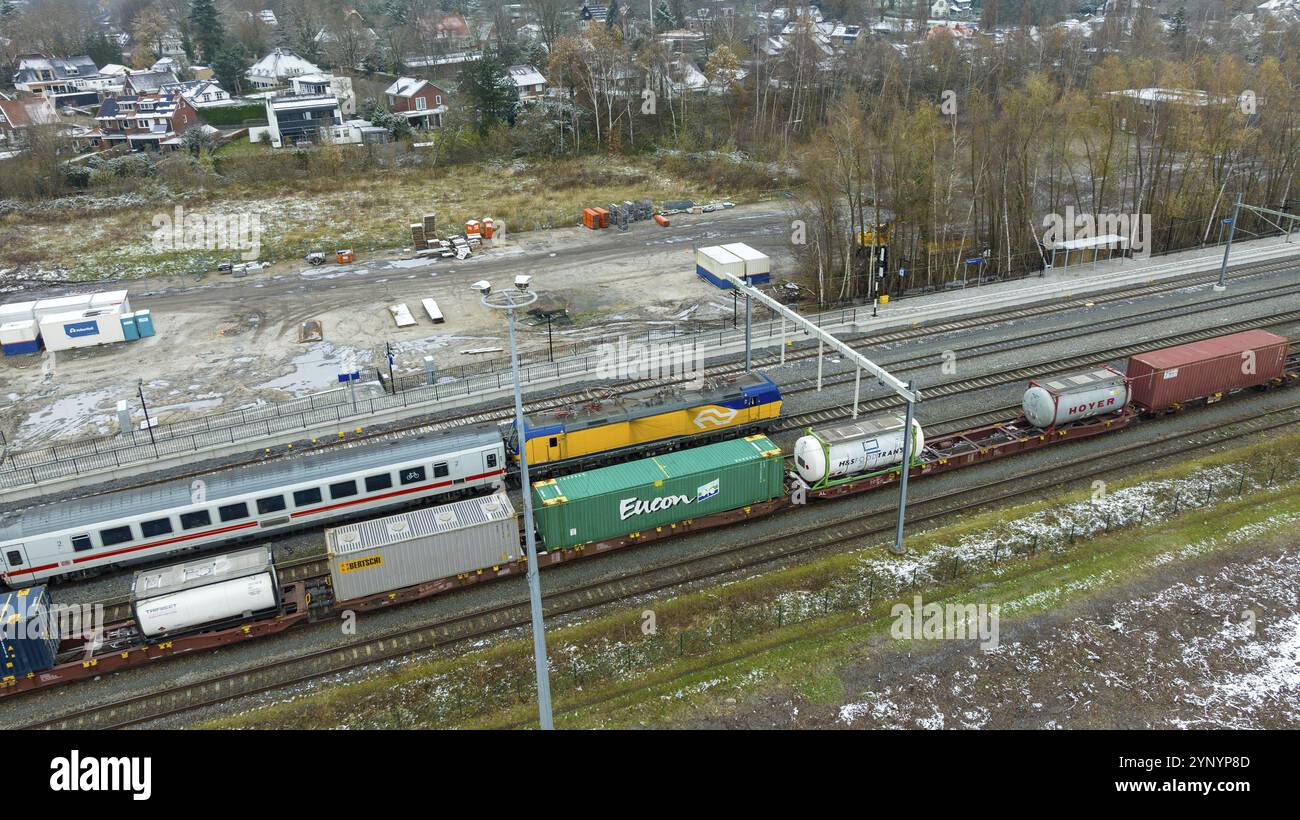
(1206, 369)
(604, 216)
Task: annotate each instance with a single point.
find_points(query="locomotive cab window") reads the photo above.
(193, 520)
(440, 470)
(343, 489)
(412, 474)
(302, 498)
(375, 483)
(161, 526)
(81, 543)
(271, 504)
(116, 535)
(233, 512)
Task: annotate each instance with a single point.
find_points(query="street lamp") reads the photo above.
(510, 301)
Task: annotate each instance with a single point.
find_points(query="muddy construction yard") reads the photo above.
(225, 343)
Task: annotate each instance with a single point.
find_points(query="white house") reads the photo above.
(294, 118)
(339, 86)
(277, 68)
(202, 93)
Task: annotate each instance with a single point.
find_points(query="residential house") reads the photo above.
(297, 118)
(338, 85)
(277, 68)
(153, 121)
(421, 102)
(70, 82)
(202, 93)
(147, 82)
(444, 27)
(593, 14)
(444, 66)
(529, 82)
(356, 132)
(16, 116)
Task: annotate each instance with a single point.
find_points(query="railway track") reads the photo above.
(503, 413)
(849, 528)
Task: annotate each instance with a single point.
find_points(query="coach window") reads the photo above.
(343, 489)
(81, 543)
(375, 483)
(233, 512)
(272, 504)
(160, 527)
(15, 558)
(116, 535)
(301, 498)
(196, 519)
(412, 474)
(439, 470)
(491, 459)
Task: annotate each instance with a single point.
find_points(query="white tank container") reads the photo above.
(861, 447)
(182, 597)
(1054, 402)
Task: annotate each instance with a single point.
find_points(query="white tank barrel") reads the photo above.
(208, 590)
(1054, 402)
(861, 447)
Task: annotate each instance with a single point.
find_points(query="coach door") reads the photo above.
(15, 557)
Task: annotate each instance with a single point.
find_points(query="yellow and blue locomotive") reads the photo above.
(612, 428)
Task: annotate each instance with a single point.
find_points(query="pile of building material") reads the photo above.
(69, 322)
(737, 259)
(425, 242)
(618, 214)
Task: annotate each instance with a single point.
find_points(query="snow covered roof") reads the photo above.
(405, 87)
(526, 75)
(282, 64)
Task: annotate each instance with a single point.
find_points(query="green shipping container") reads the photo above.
(639, 496)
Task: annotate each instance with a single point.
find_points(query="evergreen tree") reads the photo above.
(228, 66)
(98, 47)
(611, 17)
(490, 92)
(207, 29)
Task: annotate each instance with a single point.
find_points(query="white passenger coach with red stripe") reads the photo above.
(77, 537)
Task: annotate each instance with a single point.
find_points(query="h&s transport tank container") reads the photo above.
(28, 637)
(1052, 402)
(1208, 369)
(712, 262)
(853, 449)
(372, 557)
(640, 496)
(205, 592)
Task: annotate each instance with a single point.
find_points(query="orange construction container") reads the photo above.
(472, 228)
(590, 218)
(489, 227)
(604, 216)
(344, 257)
(662, 220)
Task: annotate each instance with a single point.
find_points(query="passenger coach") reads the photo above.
(78, 537)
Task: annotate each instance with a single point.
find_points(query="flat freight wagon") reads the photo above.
(1208, 369)
(647, 495)
(385, 554)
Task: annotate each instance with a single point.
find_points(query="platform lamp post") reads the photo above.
(510, 301)
(1232, 229)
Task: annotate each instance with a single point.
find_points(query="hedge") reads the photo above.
(234, 114)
